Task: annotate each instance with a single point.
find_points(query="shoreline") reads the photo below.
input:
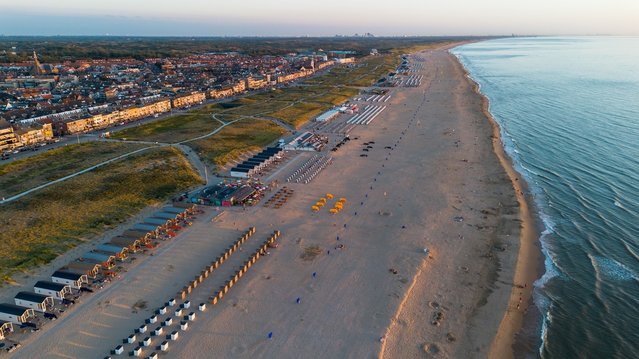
(530, 265)
(380, 296)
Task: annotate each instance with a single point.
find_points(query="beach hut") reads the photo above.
(189, 208)
(118, 350)
(120, 252)
(103, 259)
(165, 215)
(174, 335)
(90, 269)
(73, 280)
(175, 210)
(132, 244)
(159, 222)
(5, 329)
(14, 313)
(148, 228)
(52, 289)
(138, 233)
(35, 301)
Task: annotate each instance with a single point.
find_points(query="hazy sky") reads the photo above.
(328, 17)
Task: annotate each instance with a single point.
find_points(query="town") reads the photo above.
(41, 102)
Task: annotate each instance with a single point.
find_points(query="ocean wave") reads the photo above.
(610, 269)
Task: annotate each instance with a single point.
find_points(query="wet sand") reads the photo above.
(442, 187)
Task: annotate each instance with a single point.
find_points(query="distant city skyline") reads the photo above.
(331, 17)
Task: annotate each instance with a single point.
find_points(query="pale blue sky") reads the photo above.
(328, 17)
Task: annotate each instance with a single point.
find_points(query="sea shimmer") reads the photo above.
(568, 109)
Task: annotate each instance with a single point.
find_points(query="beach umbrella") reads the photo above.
(329, 196)
(333, 210)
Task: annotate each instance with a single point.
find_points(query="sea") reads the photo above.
(568, 109)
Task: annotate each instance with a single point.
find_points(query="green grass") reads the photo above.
(21, 175)
(236, 139)
(251, 107)
(172, 129)
(298, 114)
(336, 96)
(38, 228)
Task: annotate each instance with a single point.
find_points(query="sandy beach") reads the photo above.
(436, 178)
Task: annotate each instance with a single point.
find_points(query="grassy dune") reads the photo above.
(233, 141)
(172, 129)
(24, 174)
(39, 227)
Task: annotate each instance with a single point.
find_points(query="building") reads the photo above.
(104, 120)
(73, 280)
(241, 172)
(5, 328)
(327, 116)
(15, 314)
(254, 83)
(188, 100)
(52, 289)
(35, 301)
(8, 138)
(345, 60)
(35, 135)
(255, 163)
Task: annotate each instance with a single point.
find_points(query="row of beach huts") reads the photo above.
(32, 307)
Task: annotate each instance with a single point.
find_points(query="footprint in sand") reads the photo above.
(238, 349)
(432, 349)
